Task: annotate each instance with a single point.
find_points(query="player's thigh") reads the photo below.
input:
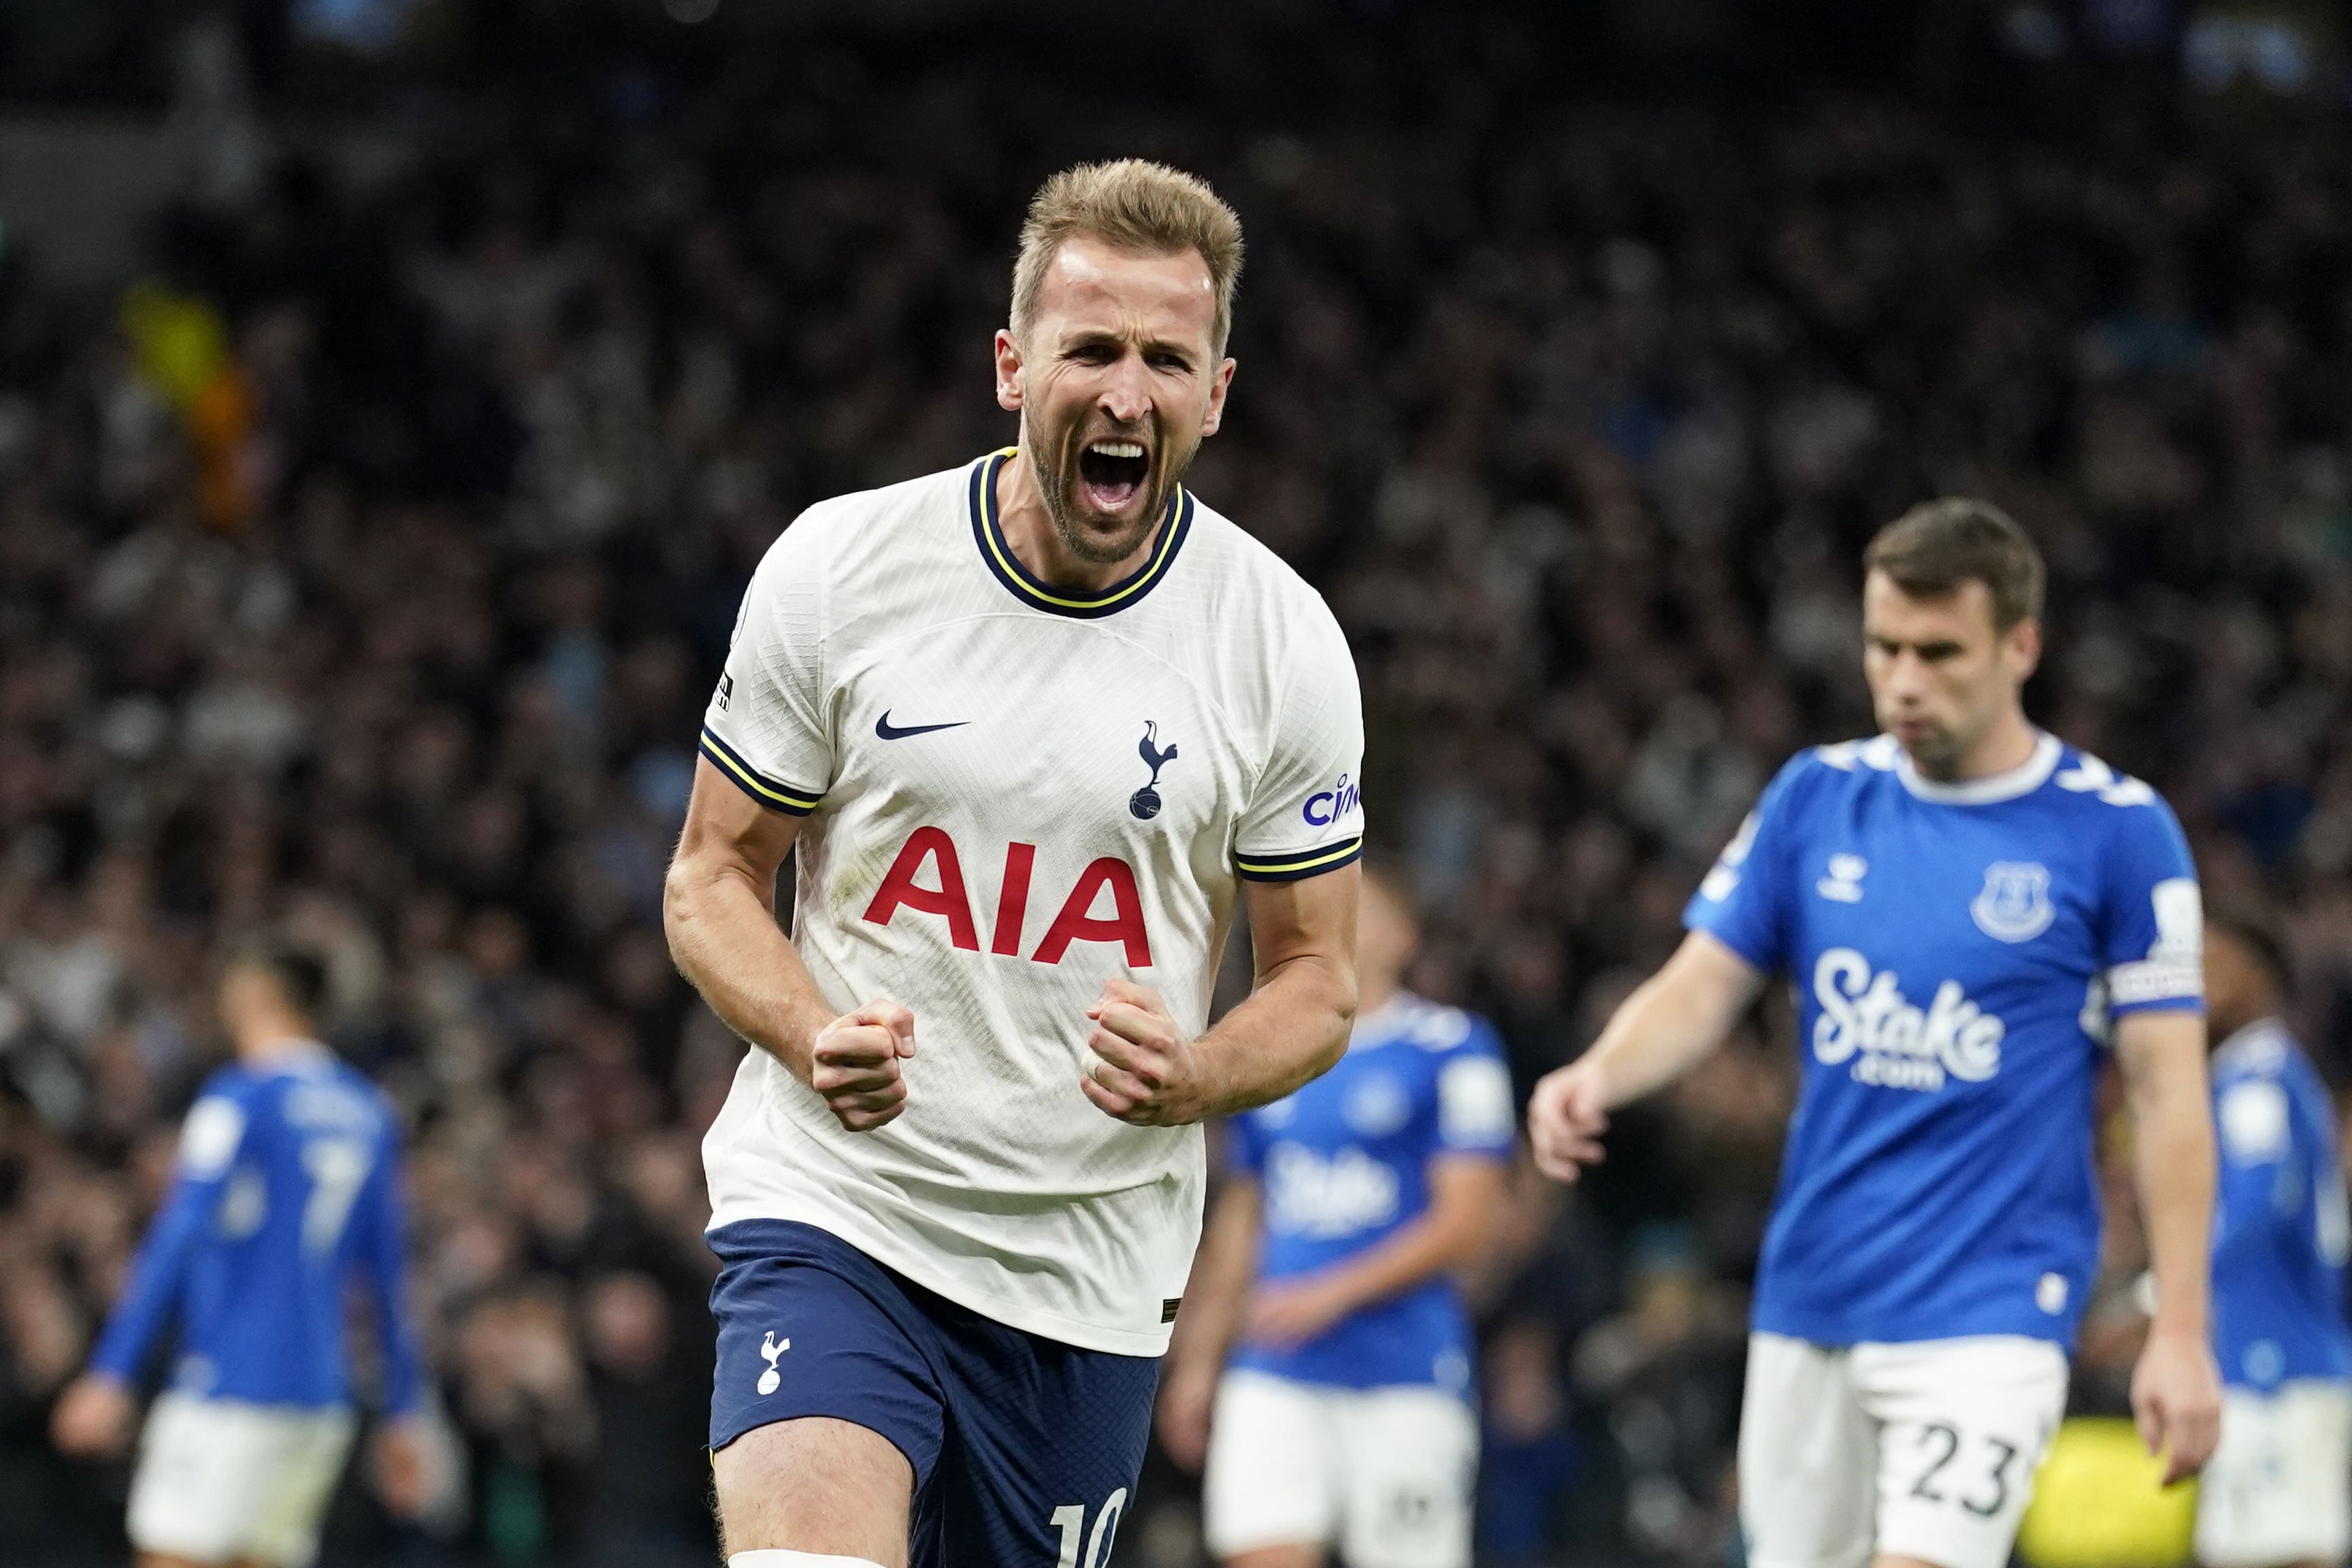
(307, 1450)
(2279, 1489)
(1963, 1425)
(1046, 1442)
(1808, 1456)
(1411, 1461)
(826, 1415)
(203, 1475)
(815, 1484)
(1272, 1481)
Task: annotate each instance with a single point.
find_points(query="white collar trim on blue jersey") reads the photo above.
(290, 1053)
(2023, 779)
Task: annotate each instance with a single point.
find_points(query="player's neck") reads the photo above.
(2006, 747)
(1030, 534)
(277, 1042)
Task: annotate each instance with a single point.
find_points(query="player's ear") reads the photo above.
(1008, 369)
(1221, 380)
(2024, 641)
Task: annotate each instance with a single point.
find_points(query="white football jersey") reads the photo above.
(1013, 793)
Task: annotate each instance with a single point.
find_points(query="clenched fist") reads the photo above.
(853, 1065)
(1144, 1071)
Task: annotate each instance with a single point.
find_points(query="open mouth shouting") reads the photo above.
(1112, 473)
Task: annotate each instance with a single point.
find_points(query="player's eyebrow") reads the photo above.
(1152, 348)
(1941, 647)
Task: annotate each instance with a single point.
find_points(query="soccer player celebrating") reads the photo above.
(1969, 909)
(288, 1187)
(1345, 1420)
(2279, 1490)
(1036, 726)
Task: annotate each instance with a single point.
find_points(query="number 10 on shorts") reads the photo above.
(1070, 1519)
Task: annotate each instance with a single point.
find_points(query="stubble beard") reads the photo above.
(1070, 516)
(1939, 757)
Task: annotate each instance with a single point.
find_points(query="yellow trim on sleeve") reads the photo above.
(1305, 863)
(718, 752)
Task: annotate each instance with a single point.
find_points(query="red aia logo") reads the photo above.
(1076, 922)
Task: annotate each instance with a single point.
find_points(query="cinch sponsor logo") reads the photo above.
(1866, 1019)
(1307, 1195)
(1322, 810)
(931, 849)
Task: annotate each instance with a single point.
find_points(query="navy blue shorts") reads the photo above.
(1026, 1449)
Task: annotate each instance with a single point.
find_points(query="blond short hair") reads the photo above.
(1135, 205)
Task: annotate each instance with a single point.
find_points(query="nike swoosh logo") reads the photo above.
(887, 731)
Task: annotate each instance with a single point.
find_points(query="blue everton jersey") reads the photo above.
(1957, 951)
(2281, 1234)
(1344, 1163)
(287, 1193)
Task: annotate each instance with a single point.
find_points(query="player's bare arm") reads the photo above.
(1466, 1200)
(403, 1472)
(2176, 1388)
(93, 1418)
(1675, 1020)
(1212, 1317)
(719, 909)
(1293, 1025)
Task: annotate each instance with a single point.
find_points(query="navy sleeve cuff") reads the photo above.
(776, 796)
(1300, 865)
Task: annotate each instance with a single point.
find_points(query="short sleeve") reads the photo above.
(2254, 1123)
(1476, 1112)
(211, 1136)
(766, 727)
(1743, 901)
(2152, 936)
(1306, 815)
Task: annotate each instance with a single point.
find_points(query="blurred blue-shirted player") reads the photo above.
(286, 1193)
(1343, 1417)
(1971, 912)
(2279, 1490)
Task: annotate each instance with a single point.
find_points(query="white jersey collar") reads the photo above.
(2021, 780)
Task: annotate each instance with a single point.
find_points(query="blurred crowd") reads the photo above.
(366, 568)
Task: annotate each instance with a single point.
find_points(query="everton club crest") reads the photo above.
(2015, 904)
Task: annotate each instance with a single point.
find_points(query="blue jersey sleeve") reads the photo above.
(1244, 1151)
(2255, 1129)
(1744, 901)
(384, 1257)
(2153, 922)
(209, 1142)
(1476, 1111)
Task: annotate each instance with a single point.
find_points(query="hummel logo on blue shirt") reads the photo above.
(882, 728)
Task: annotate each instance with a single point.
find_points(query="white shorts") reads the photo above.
(1382, 1474)
(1922, 1450)
(2279, 1489)
(220, 1479)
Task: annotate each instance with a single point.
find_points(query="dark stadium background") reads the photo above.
(395, 395)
